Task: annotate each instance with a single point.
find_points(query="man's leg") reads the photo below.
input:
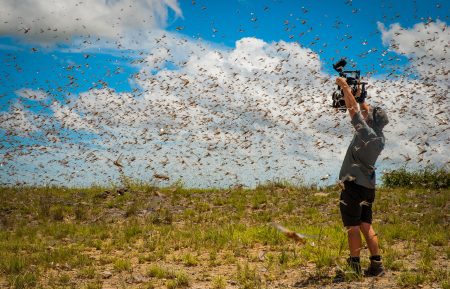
(350, 208)
(371, 238)
(354, 243)
(354, 240)
(376, 267)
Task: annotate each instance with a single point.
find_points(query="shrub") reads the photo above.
(428, 177)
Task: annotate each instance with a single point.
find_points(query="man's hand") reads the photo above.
(349, 98)
(342, 82)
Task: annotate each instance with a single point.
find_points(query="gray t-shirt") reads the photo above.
(359, 161)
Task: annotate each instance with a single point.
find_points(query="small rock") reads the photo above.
(106, 274)
(138, 279)
(261, 255)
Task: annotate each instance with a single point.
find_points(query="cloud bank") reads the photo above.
(426, 44)
(51, 21)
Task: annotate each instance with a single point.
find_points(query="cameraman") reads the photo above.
(358, 176)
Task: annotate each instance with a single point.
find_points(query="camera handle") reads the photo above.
(363, 95)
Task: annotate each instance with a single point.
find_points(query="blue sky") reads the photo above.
(328, 25)
(333, 29)
(73, 52)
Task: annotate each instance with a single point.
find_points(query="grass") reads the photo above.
(121, 265)
(190, 260)
(247, 277)
(58, 237)
(175, 279)
(181, 280)
(411, 280)
(219, 283)
(23, 280)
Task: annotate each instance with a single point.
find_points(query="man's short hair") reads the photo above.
(380, 118)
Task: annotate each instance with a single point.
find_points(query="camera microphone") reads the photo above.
(339, 66)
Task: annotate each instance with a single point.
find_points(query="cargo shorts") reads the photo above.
(356, 204)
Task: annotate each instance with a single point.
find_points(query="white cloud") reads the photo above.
(18, 121)
(423, 39)
(49, 21)
(426, 44)
(69, 119)
(224, 116)
(32, 94)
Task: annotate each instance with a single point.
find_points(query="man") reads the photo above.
(358, 176)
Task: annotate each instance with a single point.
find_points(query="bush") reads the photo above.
(428, 177)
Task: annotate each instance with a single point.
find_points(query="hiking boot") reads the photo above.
(355, 266)
(354, 271)
(376, 269)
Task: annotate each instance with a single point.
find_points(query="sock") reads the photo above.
(375, 258)
(354, 259)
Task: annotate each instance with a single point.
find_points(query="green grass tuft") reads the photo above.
(121, 265)
(247, 277)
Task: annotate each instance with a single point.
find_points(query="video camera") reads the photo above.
(353, 79)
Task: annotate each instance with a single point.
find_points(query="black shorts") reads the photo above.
(356, 204)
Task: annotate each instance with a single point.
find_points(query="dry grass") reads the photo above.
(173, 237)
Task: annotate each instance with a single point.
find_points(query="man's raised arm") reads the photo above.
(350, 101)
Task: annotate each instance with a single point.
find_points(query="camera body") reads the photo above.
(353, 79)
